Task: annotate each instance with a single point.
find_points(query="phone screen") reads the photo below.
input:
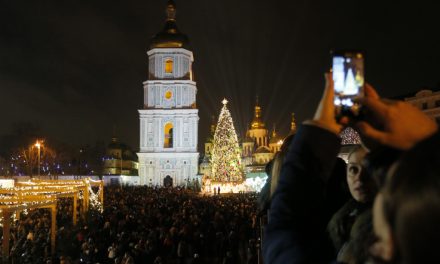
(348, 77)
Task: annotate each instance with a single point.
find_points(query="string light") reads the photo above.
(350, 137)
(36, 193)
(226, 154)
(95, 203)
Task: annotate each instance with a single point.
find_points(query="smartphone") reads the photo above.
(348, 77)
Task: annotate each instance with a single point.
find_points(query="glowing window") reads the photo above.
(168, 94)
(168, 136)
(168, 66)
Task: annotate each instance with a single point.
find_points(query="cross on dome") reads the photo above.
(171, 10)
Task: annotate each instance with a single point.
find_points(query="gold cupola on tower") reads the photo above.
(170, 36)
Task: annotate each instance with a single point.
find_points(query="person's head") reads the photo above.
(379, 160)
(360, 184)
(406, 213)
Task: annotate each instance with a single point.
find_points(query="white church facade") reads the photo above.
(169, 119)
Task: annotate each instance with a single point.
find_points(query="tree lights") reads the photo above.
(226, 165)
(350, 136)
(45, 194)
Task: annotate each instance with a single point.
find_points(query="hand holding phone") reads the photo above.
(325, 112)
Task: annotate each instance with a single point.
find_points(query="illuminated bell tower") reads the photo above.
(169, 119)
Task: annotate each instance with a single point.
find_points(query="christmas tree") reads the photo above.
(225, 159)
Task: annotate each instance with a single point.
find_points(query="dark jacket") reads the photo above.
(350, 230)
(296, 232)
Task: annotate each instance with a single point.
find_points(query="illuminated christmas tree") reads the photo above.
(225, 159)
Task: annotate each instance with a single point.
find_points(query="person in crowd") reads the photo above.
(296, 228)
(350, 227)
(407, 209)
(273, 169)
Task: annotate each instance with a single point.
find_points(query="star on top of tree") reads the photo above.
(224, 101)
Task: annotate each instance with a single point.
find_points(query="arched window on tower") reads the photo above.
(168, 66)
(168, 136)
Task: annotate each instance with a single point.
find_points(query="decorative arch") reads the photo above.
(168, 135)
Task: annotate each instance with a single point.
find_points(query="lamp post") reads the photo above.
(38, 145)
(79, 163)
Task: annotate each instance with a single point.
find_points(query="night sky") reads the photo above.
(75, 68)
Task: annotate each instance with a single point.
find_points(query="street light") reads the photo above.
(38, 145)
(79, 163)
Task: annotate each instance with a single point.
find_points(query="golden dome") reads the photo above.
(170, 36)
(274, 137)
(257, 123)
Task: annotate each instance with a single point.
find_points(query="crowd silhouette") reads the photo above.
(145, 225)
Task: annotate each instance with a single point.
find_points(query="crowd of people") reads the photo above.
(30, 232)
(143, 224)
(30, 239)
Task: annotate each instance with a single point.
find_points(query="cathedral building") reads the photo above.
(259, 147)
(169, 119)
(260, 135)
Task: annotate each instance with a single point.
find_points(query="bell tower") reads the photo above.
(169, 118)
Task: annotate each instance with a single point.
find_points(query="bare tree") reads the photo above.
(27, 159)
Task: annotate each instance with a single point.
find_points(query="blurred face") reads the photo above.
(383, 247)
(360, 184)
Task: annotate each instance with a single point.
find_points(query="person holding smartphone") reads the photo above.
(350, 227)
(296, 229)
